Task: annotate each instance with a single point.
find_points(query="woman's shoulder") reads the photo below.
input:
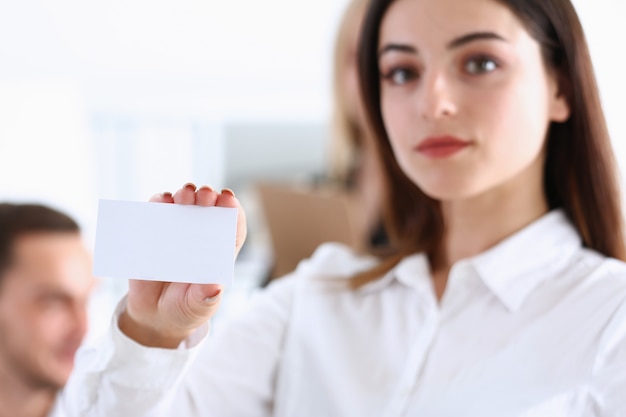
(601, 272)
(330, 263)
(611, 277)
(334, 260)
(604, 268)
(615, 267)
(330, 266)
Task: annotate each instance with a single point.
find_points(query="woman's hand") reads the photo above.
(162, 314)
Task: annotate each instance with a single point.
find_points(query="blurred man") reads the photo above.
(45, 283)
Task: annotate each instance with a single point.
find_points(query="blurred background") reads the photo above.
(124, 99)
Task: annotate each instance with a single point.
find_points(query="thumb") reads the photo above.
(204, 299)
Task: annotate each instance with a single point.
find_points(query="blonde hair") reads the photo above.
(345, 130)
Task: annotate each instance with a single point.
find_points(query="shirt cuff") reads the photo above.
(138, 366)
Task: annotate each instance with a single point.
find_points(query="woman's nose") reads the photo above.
(435, 98)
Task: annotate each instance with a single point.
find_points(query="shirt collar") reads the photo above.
(512, 268)
(412, 271)
(516, 266)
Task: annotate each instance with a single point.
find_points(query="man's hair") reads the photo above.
(17, 220)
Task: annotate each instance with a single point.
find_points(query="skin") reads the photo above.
(492, 90)
(439, 78)
(43, 319)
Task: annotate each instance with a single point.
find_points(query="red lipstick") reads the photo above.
(441, 146)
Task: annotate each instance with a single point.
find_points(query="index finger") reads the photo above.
(165, 197)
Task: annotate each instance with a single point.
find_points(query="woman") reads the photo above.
(504, 297)
(355, 165)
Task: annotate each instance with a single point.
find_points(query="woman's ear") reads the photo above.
(560, 109)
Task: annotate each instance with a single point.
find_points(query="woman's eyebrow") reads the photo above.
(475, 36)
(455, 43)
(397, 47)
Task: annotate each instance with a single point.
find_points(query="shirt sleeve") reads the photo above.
(232, 373)
(608, 388)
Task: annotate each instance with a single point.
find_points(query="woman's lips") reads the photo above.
(441, 146)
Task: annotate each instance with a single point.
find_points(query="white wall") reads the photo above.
(45, 149)
(142, 54)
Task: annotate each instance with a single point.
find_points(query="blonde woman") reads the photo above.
(355, 164)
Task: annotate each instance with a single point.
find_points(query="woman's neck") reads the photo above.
(474, 225)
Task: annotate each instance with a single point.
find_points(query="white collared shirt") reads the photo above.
(534, 327)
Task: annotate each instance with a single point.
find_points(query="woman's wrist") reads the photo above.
(147, 336)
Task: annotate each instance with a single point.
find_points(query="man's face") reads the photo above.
(43, 306)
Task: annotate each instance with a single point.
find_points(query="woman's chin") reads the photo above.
(449, 190)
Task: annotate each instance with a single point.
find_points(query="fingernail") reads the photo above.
(228, 191)
(167, 195)
(213, 298)
(190, 186)
(206, 187)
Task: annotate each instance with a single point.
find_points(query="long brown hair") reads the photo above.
(580, 171)
(346, 132)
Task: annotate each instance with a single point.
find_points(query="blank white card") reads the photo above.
(165, 242)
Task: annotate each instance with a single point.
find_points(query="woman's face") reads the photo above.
(465, 95)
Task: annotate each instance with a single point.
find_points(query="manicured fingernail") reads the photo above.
(213, 298)
(228, 191)
(190, 186)
(206, 187)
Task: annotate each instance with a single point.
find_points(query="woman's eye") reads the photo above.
(400, 76)
(480, 65)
